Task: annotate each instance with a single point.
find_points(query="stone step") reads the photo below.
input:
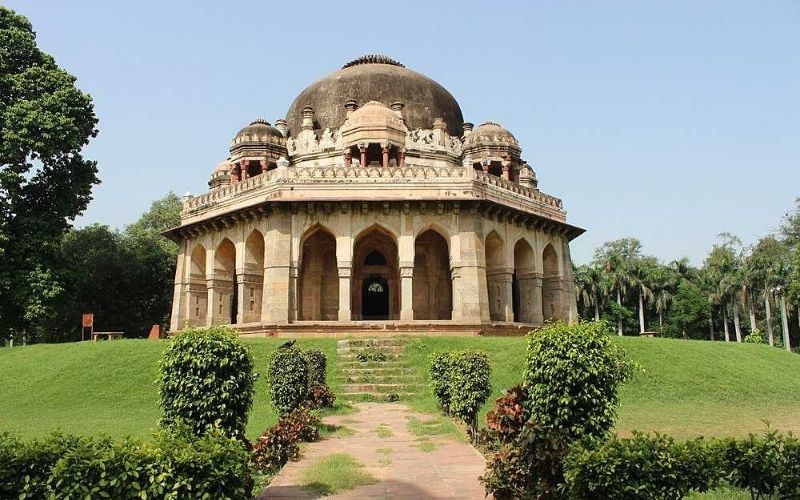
(372, 396)
(377, 370)
(352, 357)
(354, 363)
(378, 388)
(389, 349)
(378, 379)
(370, 343)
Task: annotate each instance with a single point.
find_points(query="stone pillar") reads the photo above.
(536, 288)
(568, 299)
(220, 291)
(472, 287)
(385, 151)
(345, 272)
(348, 158)
(406, 292)
(250, 291)
(362, 148)
(234, 173)
(485, 166)
(243, 169)
(505, 170)
(179, 300)
(264, 166)
(277, 264)
(401, 158)
(526, 284)
(500, 299)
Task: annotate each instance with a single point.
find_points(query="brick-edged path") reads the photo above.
(451, 470)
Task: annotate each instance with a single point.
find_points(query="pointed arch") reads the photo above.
(496, 276)
(375, 283)
(551, 284)
(319, 276)
(252, 277)
(197, 293)
(432, 286)
(225, 284)
(522, 281)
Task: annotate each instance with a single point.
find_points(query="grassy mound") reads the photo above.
(683, 388)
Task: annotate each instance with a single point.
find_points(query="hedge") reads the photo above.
(206, 382)
(288, 379)
(170, 466)
(460, 382)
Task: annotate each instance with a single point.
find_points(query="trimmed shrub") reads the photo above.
(572, 375)
(303, 423)
(279, 444)
(206, 382)
(439, 382)
(319, 396)
(171, 466)
(469, 385)
(288, 379)
(509, 414)
(317, 366)
(643, 467)
(765, 466)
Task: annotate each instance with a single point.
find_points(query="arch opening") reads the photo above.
(432, 286)
(319, 278)
(197, 303)
(375, 280)
(226, 300)
(551, 284)
(498, 279)
(523, 282)
(252, 278)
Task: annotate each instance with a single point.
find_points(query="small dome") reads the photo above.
(373, 121)
(491, 132)
(258, 131)
(223, 166)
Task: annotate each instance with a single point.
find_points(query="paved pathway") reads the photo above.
(451, 470)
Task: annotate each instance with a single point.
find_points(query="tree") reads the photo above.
(690, 310)
(124, 278)
(589, 287)
(663, 281)
(641, 274)
(723, 264)
(45, 182)
(616, 259)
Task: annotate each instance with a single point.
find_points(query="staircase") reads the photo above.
(374, 370)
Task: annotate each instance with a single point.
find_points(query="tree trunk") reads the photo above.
(770, 335)
(785, 324)
(619, 320)
(661, 322)
(642, 326)
(711, 327)
(725, 322)
(750, 309)
(596, 307)
(737, 325)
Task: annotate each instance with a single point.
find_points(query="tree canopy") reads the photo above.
(45, 182)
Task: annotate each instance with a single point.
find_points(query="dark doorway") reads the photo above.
(234, 300)
(375, 298)
(515, 302)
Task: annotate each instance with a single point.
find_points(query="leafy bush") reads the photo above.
(643, 467)
(317, 366)
(370, 354)
(572, 375)
(507, 476)
(439, 382)
(755, 337)
(171, 466)
(765, 466)
(288, 379)
(303, 423)
(206, 382)
(469, 385)
(509, 414)
(320, 396)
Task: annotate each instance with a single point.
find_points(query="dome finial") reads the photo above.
(373, 59)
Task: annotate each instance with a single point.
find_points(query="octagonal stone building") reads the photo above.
(373, 206)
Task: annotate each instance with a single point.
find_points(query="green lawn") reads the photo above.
(684, 388)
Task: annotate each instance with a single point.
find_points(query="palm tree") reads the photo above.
(616, 259)
(641, 278)
(662, 283)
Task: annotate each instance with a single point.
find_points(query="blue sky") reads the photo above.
(667, 121)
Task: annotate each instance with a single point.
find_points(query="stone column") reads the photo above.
(473, 289)
(536, 289)
(363, 149)
(500, 300)
(385, 151)
(264, 166)
(250, 286)
(220, 291)
(401, 158)
(234, 173)
(345, 271)
(348, 158)
(277, 269)
(406, 292)
(179, 298)
(243, 169)
(455, 278)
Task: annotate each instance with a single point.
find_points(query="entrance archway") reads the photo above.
(523, 282)
(376, 276)
(432, 287)
(375, 298)
(225, 284)
(551, 284)
(198, 288)
(319, 278)
(497, 276)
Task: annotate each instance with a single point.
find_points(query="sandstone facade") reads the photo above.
(372, 223)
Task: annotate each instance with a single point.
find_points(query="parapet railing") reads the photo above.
(410, 173)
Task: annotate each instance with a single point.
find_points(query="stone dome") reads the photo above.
(376, 78)
(258, 131)
(492, 133)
